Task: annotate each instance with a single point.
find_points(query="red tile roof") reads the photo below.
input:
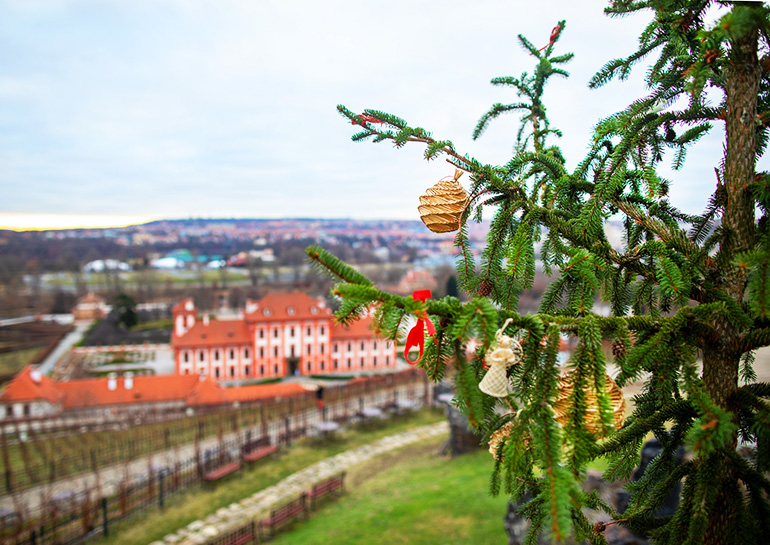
(27, 386)
(94, 392)
(264, 391)
(289, 306)
(207, 392)
(90, 298)
(179, 308)
(361, 328)
(216, 333)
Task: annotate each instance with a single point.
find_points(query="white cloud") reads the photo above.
(178, 108)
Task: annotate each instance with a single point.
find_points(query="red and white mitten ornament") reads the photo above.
(507, 353)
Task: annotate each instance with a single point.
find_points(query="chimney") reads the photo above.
(251, 306)
(35, 376)
(206, 319)
(112, 381)
(128, 380)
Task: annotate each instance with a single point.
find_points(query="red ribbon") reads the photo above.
(368, 119)
(554, 34)
(416, 336)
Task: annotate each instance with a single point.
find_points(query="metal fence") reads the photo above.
(60, 513)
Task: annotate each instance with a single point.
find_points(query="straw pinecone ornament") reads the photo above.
(498, 437)
(593, 418)
(443, 204)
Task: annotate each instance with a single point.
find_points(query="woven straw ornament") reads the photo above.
(498, 436)
(593, 418)
(443, 204)
(507, 353)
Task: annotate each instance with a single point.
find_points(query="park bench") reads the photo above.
(294, 434)
(286, 514)
(221, 471)
(335, 483)
(260, 448)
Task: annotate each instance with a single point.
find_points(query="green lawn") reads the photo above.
(13, 362)
(413, 496)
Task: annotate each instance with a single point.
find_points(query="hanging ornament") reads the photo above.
(507, 353)
(416, 335)
(593, 419)
(443, 204)
(498, 437)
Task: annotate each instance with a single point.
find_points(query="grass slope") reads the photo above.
(199, 502)
(413, 496)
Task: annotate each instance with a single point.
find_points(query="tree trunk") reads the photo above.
(721, 358)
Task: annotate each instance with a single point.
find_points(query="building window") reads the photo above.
(309, 332)
(291, 332)
(308, 367)
(246, 353)
(275, 333)
(232, 372)
(335, 347)
(232, 354)
(261, 369)
(323, 346)
(387, 360)
(201, 356)
(336, 364)
(309, 349)
(362, 363)
(185, 357)
(261, 352)
(349, 364)
(216, 355)
(374, 345)
(350, 347)
(275, 369)
(322, 330)
(247, 371)
(374, 361)
(323, 365)
(216, 372)
(275, 351)
(363, 347)
(261, 333)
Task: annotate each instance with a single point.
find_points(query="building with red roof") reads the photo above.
(282, 334)
(33, 395)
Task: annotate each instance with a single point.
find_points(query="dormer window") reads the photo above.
(290, 311)
(267, 311)
(313, 310)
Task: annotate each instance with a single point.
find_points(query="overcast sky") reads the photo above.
(149, 109)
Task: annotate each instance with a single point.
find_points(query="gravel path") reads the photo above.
(258, 504)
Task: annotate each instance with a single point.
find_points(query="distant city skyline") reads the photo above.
(114, 113)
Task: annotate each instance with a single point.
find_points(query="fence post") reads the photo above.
(288, 437)
(161, 488)
(105, 529)
(7, 463)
